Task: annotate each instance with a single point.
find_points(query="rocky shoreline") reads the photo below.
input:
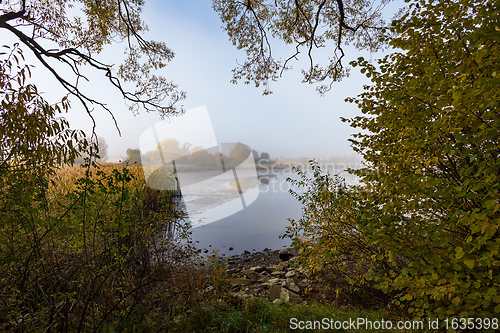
(277, 276)
(270, 274)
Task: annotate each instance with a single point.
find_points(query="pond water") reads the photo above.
(254, 228)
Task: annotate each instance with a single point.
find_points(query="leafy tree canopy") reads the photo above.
(433, 117)
(305, 25)
(73, 33)
(424, 224)
(31, 135)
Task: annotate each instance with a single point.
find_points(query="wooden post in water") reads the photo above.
(175, 199)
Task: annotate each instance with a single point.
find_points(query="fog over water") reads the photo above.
(254, 228)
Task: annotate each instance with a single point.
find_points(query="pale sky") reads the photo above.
(294, 121)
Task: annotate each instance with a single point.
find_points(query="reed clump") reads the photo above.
(86, 248)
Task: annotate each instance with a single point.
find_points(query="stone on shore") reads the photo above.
(241, 281)
(285, 254)
(290, 296)
(267, 274)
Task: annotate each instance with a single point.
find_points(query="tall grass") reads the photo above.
(83, 249)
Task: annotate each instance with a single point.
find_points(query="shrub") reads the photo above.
(427, 211)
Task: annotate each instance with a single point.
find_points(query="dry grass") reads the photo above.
(83, 250)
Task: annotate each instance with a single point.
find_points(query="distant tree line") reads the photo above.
(195, 157)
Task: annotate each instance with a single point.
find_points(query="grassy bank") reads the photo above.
(84, 249)
(259, 315)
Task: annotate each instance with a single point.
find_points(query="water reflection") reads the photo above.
(264, 179)
(259, 225)
(256, 227)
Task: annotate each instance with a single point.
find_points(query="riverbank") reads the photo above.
(268, 291)
(273, 275)
(277, 275)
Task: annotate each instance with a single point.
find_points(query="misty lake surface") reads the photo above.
(254, 228)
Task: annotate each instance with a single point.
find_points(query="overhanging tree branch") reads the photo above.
(81, 43)
(305, 24)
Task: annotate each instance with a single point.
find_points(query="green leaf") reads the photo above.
(490, 203)
(470, 263)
